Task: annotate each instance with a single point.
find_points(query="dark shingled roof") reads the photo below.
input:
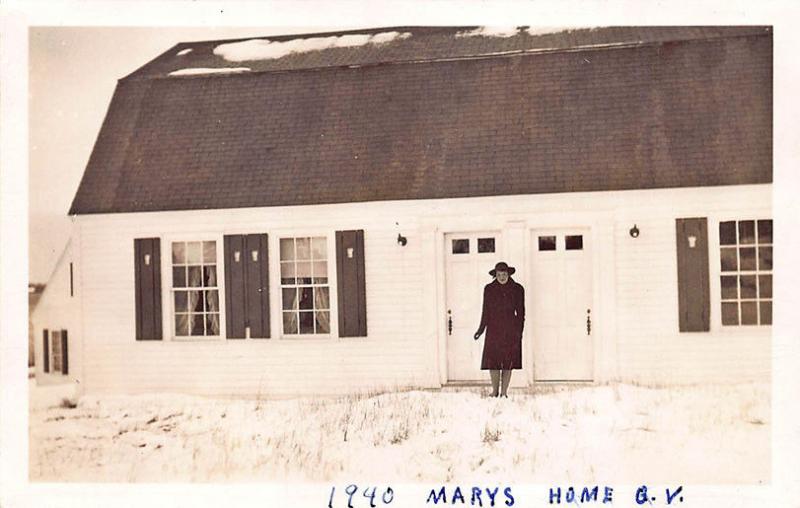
(435, 115)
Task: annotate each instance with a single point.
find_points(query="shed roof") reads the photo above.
(434, 113)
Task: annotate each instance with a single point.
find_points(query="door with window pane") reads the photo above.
(469, 257)
(561, 305)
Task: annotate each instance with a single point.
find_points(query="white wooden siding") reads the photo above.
(57, 310)
(636, 294)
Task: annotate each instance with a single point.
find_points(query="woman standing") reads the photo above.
(503, 318)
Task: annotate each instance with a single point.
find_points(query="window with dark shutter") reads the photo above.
(351, 283)
(693, 277)
(745, 272)
(147, 266)
(55, 350)
(195, 289)
(305, 288)
(46, 351)
(246, 286)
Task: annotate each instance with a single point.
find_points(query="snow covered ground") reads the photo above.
(707, 434)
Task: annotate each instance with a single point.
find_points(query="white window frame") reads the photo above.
(715, 272)
(52, 354)
(276, 289)
(168, 308)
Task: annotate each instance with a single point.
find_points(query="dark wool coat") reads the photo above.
(503, 318)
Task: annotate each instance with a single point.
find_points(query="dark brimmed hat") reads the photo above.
(502, 267)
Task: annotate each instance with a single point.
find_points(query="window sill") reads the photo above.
(197, 338)
(306, 338)
(742, 330)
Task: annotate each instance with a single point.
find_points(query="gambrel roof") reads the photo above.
(416, 113)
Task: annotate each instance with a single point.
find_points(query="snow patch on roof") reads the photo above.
(491, 31)
(184, 51)
(205, 70)
(264, 49)
(542, 30)
(511, 31)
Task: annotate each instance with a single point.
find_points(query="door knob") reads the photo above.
(588, 322)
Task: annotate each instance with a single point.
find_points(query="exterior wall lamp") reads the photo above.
(634, 232)
(401, 240)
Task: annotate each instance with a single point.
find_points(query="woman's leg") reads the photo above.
(506, 381)
(495, 382)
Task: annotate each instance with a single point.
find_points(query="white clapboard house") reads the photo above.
(319, 213)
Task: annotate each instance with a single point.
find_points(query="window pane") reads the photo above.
(287, 249)
(289, 296)
(747, 232)
(766, 313)
(210, 276)
(547, 243)
(461, 246)
(747, 286)
(193, 252)
(212, 324)
(727, 233)
(195, 277)
(730, 313)
(765, 231)
(306, 298)
(749, 316)
(728, 261)
(765, 286)
(195, 301)
(209, 252)
(306, 322)
(182, 324)
(212, 300)
(574, 242)
(290, 322)
(319, 247)
(196, 321)
(304, 272)
(765, 258)
(180, 302)
(55, 341)
(747, 258)
(320, 269)
(485, 244)
(179, 276)
(178, 252)
(287, 273)
(303, 246)
(323, 321)
(728, 285)
(321, 298)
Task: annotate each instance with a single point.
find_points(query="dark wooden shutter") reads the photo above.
(46, 350)
(64, 353)
(247, 286)
(693, 278)
(351, 286)
(147, 255)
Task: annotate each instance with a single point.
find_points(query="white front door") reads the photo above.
(469, 257)
(561, 301)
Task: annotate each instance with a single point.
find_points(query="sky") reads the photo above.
(72, 75)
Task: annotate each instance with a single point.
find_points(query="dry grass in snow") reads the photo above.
(709, 434)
